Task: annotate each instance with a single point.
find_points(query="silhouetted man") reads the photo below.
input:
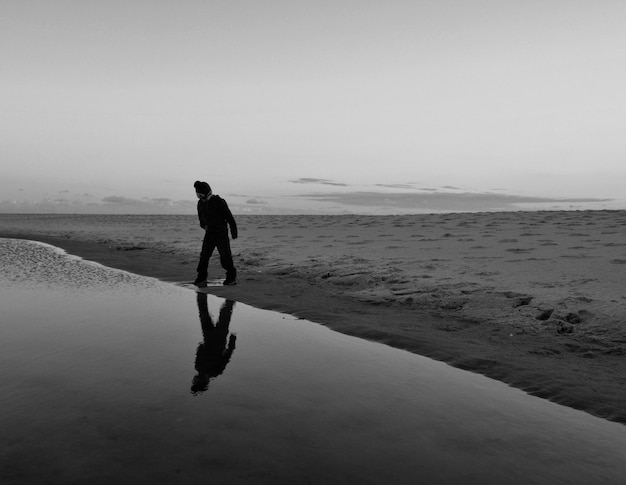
(215, 217)
(216, 349)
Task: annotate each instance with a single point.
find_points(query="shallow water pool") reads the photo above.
(109, 377)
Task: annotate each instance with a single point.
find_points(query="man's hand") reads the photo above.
(234, 234)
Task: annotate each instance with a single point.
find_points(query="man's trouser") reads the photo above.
(220, 241)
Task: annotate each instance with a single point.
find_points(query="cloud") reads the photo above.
(411, 186)
(438, 201)
(146, 205)
(113, 204)
(365, 202)
(118, 200)
(45, 206)
(396, 186)
(308, 180)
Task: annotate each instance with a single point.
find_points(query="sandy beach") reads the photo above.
(535, 299)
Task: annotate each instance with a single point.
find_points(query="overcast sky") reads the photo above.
(137, 99)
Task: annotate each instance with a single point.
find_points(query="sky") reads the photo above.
(332, 105)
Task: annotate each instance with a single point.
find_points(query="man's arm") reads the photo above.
(230, 220)
(200, 216)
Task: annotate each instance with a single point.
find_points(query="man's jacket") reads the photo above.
(215, 216)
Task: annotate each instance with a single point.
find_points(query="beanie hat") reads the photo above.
(202, 187)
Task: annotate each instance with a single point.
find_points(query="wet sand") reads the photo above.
(535, 299)
(109, 377)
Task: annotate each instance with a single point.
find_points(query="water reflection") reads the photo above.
(303, 404)
(217, 347)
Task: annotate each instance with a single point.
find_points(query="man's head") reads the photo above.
(199, 384)
(202, 189)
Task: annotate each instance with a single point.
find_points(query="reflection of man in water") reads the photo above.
(213, 352)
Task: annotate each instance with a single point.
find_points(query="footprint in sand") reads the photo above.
(519, 250)
(545, 315)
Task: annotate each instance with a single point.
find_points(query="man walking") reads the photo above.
(215, 218)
